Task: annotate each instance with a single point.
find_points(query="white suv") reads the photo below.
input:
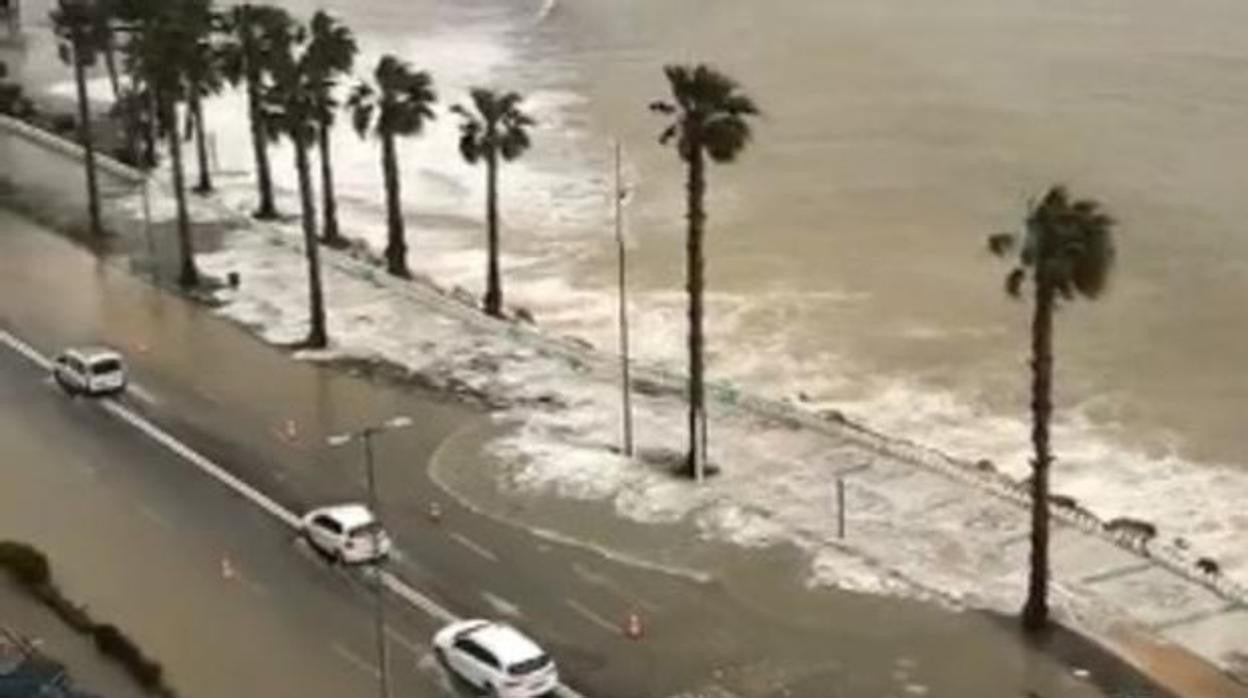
(90, 370)
(348, 533)
(496, 658)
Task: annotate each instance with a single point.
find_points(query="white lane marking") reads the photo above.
(143, 394)
(501, 605)
(356, 661)
(25, 350)
(396, 586)
(592, 617)
(151, 514)
(612, 586)
(473, 546)
(194, 458)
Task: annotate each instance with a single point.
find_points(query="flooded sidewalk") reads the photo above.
(766, 527)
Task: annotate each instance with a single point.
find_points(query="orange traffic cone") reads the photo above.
(435, 512)
(633, 628)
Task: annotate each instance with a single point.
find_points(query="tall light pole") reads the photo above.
(379, 617)
(620, 193)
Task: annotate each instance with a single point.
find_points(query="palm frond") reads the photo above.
(1002, 244)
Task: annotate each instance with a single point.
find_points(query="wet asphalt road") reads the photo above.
(265, 418)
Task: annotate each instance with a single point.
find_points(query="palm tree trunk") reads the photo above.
(329, 203)
(85, 135)
(259, 142)
(396, 242)
(696, 190)
(152, 129)
(110, 64)
(201, 144)
(493, 280)
(1036, 610)
(317, 337)
(188, 277)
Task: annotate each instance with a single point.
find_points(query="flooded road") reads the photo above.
(220, 390)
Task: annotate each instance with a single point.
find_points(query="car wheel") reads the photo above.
(440, 655)
(490, 691)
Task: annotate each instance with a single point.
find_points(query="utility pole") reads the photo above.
(626, 383)
(379, 616)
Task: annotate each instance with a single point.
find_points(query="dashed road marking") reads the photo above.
(407, 642)
(356, 660)
(592, 617)
(153, 516)
(473, 546)
(601, 580)
(501, 605)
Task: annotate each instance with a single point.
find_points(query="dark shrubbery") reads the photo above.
(29, 568)
(113, 643)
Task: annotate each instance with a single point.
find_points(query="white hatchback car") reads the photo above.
(349, 533)
(90, 370)
(496, 658)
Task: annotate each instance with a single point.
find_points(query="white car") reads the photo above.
(348, 533)
(90, 370)
(496, 658)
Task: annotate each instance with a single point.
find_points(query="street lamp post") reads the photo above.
(620, 194)
(379, 616)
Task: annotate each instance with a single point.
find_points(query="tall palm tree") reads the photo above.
(162, 54)
(494, 127)
(203, 78)
(331, 54)
(399, 105)
(710, 118)
(290, 109)
(74, 22)
(137, 102)
(1066, 249)
(248, 48)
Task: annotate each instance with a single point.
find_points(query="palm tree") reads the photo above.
(709, 118)
(203, 78)
(250, 32)
(162, 54)
(137, 102)
(400, 105)
(331, 53)
(495, 127)
(290, 109)
(74, 22)
(1067, 250)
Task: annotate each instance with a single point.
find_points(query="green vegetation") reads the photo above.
(710, 118)
(1066, 249)
(493, 127)
(29, 569)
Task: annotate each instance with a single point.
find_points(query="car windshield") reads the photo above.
(104, 366)
(529, 666)
(371, 528)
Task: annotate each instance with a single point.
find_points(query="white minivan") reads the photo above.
(90, 370)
